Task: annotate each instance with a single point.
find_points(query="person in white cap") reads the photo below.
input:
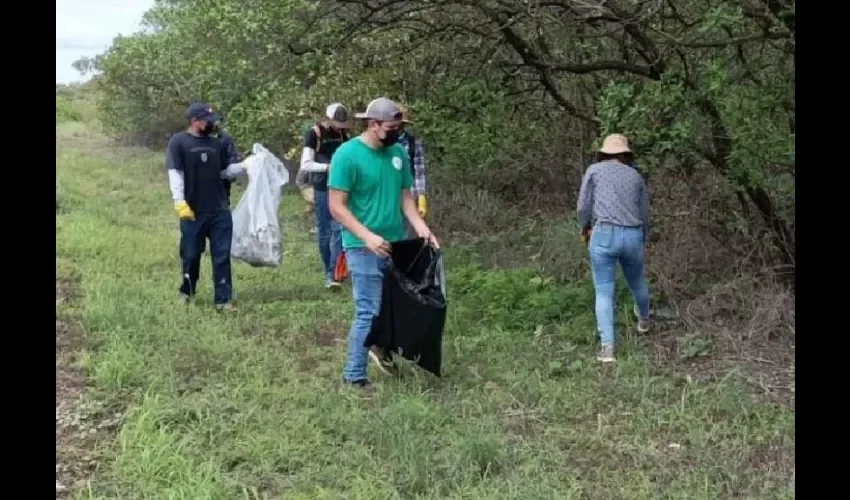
(320, 144)
(370, 182)
(613, 212)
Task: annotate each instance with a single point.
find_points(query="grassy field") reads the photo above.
(250, 406)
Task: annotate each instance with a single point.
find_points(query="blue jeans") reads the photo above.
(609, 245)
(367, 277)
(218, 228)
(329, 233)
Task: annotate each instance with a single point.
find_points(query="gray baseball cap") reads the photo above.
(381, 109)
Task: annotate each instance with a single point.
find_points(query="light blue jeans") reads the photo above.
(609, 245)
(367, 280)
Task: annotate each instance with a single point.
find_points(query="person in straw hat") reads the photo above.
(613, 211)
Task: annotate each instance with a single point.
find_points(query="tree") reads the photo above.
(85, 65)
(511, 94)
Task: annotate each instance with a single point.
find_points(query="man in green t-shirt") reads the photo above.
(369, 190)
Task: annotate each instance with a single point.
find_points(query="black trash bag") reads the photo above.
(413, 305)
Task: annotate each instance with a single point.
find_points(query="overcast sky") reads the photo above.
(87, 27)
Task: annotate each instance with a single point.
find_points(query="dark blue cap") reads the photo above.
(202, 111)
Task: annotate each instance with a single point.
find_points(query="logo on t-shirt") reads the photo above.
(204, 157)
(396, 162)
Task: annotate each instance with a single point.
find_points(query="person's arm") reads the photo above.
(230, 159)
(232, 156)
(411, 211)
(585, 201)
(309, 163)
(175, 167)
(233, 171)
(338, 204)
(308, 154)
(644, 209)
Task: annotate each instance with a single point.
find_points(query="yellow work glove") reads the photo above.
(183, 211)
(423, 206)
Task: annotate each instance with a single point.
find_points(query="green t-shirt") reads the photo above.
(373, 179)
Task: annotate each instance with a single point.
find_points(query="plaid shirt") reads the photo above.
(419, 185)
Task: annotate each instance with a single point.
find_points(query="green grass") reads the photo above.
(251, 406)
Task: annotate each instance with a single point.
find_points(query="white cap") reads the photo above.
(337, 113)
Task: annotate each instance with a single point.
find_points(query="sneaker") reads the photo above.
(226, 307)
(184, 299)
(383, 360)
(606, 354)
(364, 384)
(643, 324)
(332, 284)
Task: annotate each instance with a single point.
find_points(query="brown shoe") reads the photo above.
(643, 324)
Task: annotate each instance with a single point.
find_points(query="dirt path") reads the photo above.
(70, 382)
(81, 421)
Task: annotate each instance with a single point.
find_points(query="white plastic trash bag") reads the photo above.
(256, 231)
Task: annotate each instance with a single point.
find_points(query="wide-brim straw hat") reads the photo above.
(615, 144)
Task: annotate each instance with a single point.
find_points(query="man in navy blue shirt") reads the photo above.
(197, 163)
